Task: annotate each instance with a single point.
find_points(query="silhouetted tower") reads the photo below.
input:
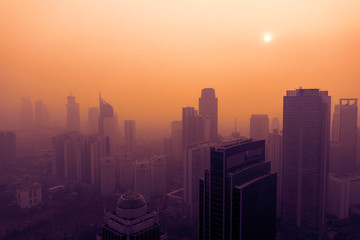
(26, 114)
(259, 126)
(335, 137)
(93, 118)
(189, 126)
(208, 106)
(305, 165)
(72, 114)
(106, 112)
(238, 193)
(129, 134)
(41, 114)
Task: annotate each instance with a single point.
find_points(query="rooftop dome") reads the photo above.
(131, 205)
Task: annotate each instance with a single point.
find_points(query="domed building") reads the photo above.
(131, 220)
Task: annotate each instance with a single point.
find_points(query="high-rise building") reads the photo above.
(108, 124)
(125, 171)
(259, 126)
(189, 126)
(176, 140)
(73, 150)
(72, 114)
(26, 114)
(93, 119)
(143, 178)
(275, 124)
(305, 162)
(7, 148)
(41, 115)
(196, 161)
(107, 173)
(335, 136)
(346, 161)
(131, 219)
(158, 176)
(238, 193)
(129, 134)
(208, 107)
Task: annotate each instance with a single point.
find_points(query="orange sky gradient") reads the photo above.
(151, 58)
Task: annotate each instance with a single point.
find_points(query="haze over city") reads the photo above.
(179, 120)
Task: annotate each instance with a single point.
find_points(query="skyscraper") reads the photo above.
(93, 119)
(131, 219)
(305, 165)
(238, 193)
(26, 114)
(259, 126)
(129, 134)
(41, 114)
(143, 178)
(208, 107)
(335, 137)
(158, 176)
(189, 126)
(72, 114)
(125, 171)
(107, 173)
(108, 123)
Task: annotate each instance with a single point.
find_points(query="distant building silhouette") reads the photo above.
(7, 148)
(131, 219)
(143, 178)
(208, 107)
(72, 114)
(93, 118)
(259, 126)
(189, 126)
(26, 116)
(125, 171)
(107, 173)
(108, 123)
(343, 154)
(275, 124)
(41, 115)
(158, 176)
(129, 134)
(335, 136)
(305, 165)
(238, 193)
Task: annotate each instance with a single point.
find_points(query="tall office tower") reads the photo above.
(93, 119)
(125, 171)
(96, 147)
(131, 219)
(73, 146)
(347, 135)
(26, 114)
(176, 139)
(129, 134)
(274, 154)
(238, 193)
(189, 126)
(259, 126)
(275, 124)
(40, 114)
(158, 176)
(107, 123)
(7, 147)
(305, 165)
(107, 175)
(142, 178)
(58, 155)
(208, 106)
(203, 128)
(196, 161)
(72, 114)
(335, 135)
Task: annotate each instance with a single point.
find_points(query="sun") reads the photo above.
(267, 38)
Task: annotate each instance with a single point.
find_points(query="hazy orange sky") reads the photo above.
(151, 58)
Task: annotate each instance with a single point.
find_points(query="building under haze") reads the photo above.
(7, 148)
(26, 115)
(343, 154)
(107, 175)
(305, 162)
(158, 176)
(108, 124)
(125, 171)
(72, 114)
(129, 135)
(208, 107)
(41, 115)
(131, 219)
(238, 193)
(93, 120)
(259, 126)
(143, 178)
(28, 196)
